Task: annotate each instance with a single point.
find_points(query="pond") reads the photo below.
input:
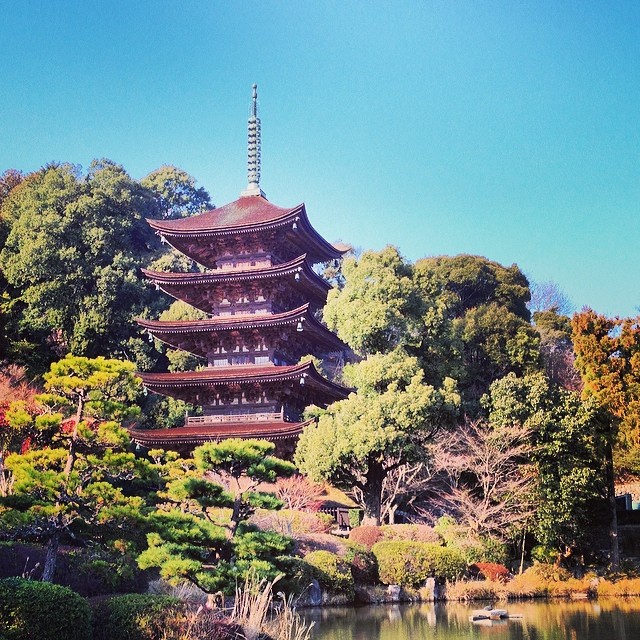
(605, 619)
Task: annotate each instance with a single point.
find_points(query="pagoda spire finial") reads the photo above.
(253, 149)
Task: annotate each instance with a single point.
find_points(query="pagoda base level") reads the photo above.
(185, 439)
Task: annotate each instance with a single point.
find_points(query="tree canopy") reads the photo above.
(72, 256)
(357, 442)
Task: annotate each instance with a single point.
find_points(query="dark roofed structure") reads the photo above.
(261, 295)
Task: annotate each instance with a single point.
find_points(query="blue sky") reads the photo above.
(509, 129)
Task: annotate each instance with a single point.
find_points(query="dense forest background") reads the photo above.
(480, 401)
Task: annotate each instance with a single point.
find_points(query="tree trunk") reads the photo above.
(51, 558)
(71, 456)
(236, 515)
(611, 494)
(372, 494)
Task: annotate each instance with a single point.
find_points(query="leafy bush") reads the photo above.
(476, 549)
(332, 572)
(490, 571)
(474, 590)
(366, 535)
(547, 572)
(409, 563)
(355, 517)
(89, 572)
(416, 532)
(298, 574)
(42, 611)
(624, 587)
(289, 522)
(364, 567)
(135, 617)
(544, 554)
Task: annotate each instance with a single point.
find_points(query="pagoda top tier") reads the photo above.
(250, 224)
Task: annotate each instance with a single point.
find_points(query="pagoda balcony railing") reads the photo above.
(193, 421)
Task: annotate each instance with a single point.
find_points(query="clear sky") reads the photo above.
(509, 129)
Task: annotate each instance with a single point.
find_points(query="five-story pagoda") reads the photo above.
(261, 296)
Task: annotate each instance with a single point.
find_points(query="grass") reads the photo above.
(256, 613)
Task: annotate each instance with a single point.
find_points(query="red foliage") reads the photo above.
(4, 405)
(491, 571)
(298, 493)
(366, 535)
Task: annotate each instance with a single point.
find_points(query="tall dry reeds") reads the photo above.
(255, 612)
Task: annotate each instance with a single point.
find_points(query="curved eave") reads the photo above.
(257, 214)
(287, 319)
(273, 431)
(208, 225)
(244, 374)
(299, 265)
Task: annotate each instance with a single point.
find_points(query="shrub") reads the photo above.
(474, 590)
(88, 572)
(543, 554)
(409, 563)
(332, 572)
(298, 574)
(42, 611)
(366, 535)
(624, 587)
(548, 572)
(136, 617)
(289, 522)
(364, 567)
(570, 587)
(355, 518)
(542, 580)
(490, 571)
(416, 532)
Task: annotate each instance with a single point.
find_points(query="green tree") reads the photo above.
(556, 348)
(74, 246)
(72, 256)
(182, 360)
(62, 489)
(377, 309)
(241, 465)
(608, 359)
(568, 450)
(476, 323)
(359, 441)
(176, 194)
(192, 541)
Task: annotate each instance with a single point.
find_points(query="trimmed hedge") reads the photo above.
(135, 617)
(415, 532)
(87, 572)
(366, 535)
(409, 563)
(32, 610)
(364, 567)
(332, 572)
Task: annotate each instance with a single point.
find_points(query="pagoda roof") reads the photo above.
(300, 266)
(163, 383)
(181, 436)
(166, 330)
(248, 214)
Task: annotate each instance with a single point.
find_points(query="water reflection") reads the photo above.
(607, 619)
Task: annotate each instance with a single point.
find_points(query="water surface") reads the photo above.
(606, 619)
